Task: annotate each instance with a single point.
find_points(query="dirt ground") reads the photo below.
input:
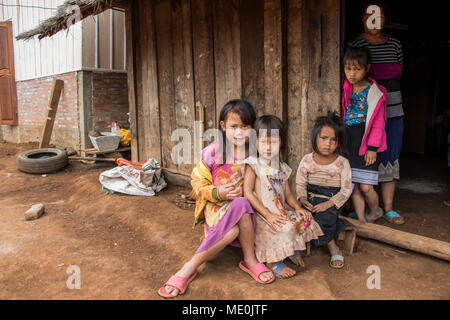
(126, 247)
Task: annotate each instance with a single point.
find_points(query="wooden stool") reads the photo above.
(349, 238)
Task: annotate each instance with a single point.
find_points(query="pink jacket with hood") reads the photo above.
(374, 133)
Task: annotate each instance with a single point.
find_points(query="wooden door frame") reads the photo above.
(13, 89)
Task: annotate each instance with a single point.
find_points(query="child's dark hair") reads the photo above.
(333, 121)
(269, 123)
(358, 54)
(245, 111)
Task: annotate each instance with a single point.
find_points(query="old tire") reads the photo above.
(44, 160)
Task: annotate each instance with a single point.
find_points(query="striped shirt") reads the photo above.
(387, 64)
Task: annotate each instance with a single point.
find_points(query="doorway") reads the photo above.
(424, 171)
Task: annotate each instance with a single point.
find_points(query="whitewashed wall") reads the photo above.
(64, 51)
(37, 58)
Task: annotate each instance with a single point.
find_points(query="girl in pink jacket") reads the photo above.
(364, 113)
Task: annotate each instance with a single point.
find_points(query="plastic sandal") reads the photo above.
(178, 282)
(389, 216)
(255, 271)
(337, 257)
(277, 269)
(353, 215)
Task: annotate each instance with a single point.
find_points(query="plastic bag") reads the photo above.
(130, 180)
(125, 137)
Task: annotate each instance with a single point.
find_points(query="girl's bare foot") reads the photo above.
(300, 261)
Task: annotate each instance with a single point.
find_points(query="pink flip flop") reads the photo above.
(178, 282)
(255, 271)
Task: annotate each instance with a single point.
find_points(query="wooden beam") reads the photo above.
(227, 52)
(55, 94)
(131, 80)
(294, 85)
(85, 108)
(150, 102)
(252, 53)
(203, 56)
(406, 240)
(273, 56)
(183, 76)
(165, 51)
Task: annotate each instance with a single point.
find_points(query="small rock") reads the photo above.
(183, 196)
(34, 212)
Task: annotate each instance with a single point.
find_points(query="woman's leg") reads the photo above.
(372, 200)
(199, 258)
(387, 192)
(247, 241)
(358, 202)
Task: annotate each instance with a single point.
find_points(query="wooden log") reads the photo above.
(406, 240)
(57, 87)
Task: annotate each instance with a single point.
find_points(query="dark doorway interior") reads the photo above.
(424, 33)
(424, 175)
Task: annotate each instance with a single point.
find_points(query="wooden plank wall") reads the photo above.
(282, 56)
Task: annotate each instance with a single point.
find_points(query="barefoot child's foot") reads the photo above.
(281, 270)
(297, 259)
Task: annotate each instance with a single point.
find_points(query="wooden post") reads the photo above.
(52, 108)
(432, 247)
(131, 81)
(273, 56)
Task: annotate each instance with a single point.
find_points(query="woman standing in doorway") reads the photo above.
(387, 63)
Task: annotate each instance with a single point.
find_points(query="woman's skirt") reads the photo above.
(360, 172)
(328, 220)
(238, 207)
(389, 168)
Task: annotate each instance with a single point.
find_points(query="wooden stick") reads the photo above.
(406, 240)
(57, 87)
(93, 158)
(201, 111)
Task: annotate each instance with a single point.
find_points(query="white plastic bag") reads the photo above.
(128, 180)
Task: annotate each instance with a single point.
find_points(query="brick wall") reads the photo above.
(33, 96)
(109, 100)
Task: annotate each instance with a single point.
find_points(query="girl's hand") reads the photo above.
(304, 201)
(370, 157)
(224, 190)
(234, 193)
(324, 206)
(275, 221)
(304, 214)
